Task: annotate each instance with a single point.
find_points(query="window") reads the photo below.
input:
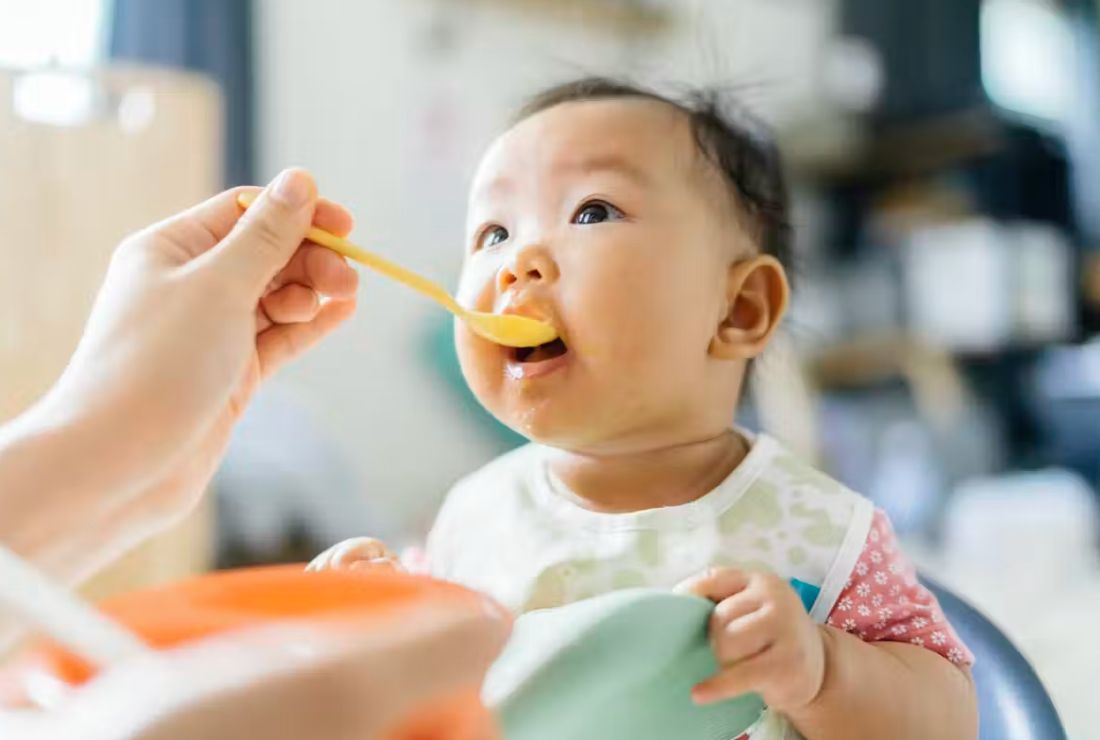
(1027, 57)
(51, 38)
(68, 33)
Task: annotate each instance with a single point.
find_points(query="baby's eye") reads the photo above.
(491, 236)
(597, 211)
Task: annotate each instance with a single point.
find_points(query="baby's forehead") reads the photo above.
(650, 138)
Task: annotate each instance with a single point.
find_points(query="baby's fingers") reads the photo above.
(743, 638)
(376, 564)
(349, 552)
(745, 677)
(359, 548)
(715, 584)
(318, 563)
(735, 607)
(321, 562)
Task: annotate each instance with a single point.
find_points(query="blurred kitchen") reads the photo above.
(943, 355)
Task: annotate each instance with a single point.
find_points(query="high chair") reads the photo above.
(1013, 704)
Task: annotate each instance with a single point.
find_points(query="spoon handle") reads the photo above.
(378, 263)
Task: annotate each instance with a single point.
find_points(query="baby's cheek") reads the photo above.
(481, 367)
(604, 322)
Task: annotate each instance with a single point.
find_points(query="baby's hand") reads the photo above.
(762, 638)
(358, 553)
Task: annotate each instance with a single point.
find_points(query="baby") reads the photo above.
(654, 235)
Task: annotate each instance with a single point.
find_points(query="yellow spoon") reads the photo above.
(506, 329)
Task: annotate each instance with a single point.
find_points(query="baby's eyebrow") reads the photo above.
(608, 163)
(599, 163)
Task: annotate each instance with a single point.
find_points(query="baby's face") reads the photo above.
(600, 218)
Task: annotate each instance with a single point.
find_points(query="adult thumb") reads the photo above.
(270, 231)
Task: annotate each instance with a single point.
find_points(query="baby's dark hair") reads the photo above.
(738, 144)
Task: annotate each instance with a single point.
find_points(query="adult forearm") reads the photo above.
(64, 491)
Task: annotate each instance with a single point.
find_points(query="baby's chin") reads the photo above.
(555, 427)
(553, 416)
(541, 425)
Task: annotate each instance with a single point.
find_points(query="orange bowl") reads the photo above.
(188, 610)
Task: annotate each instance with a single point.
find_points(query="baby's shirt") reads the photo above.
(512, 530)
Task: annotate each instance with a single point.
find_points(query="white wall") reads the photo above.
(352, 90)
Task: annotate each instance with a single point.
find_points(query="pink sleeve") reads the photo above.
(884, 602)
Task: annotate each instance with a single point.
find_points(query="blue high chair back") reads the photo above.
(1012, 703)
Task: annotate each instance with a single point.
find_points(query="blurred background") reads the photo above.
(945, 162)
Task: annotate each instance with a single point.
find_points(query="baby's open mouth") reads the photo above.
(541, 353)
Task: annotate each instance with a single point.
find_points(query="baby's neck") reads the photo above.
(649, 479)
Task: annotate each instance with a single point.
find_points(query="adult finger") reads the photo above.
(321, 269)
(291, 304)
(199, 228)
(328, 215)
(282, 343)
(267, 236)
(293, 294)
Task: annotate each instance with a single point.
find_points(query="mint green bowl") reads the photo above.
(620, 665)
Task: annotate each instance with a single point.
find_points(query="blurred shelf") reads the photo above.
(1014, 350)
(875, 360)
(619, 16)
(915, 149)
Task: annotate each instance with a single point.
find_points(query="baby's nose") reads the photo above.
(530, 264)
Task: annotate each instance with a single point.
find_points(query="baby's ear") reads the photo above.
(757, 293)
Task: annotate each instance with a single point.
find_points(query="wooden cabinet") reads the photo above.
(84, 160)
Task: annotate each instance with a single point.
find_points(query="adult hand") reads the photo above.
(193, 314)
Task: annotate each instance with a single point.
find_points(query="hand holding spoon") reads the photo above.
(504, 329)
